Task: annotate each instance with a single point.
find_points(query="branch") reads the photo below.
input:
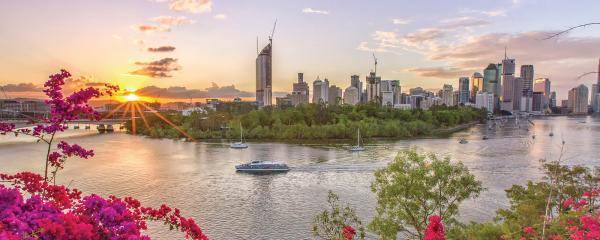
(568, 30)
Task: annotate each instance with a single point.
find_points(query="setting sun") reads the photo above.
(132, 97)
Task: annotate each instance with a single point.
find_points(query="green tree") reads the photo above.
(330, 223)
(413, 187)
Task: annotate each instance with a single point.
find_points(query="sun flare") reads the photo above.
(132, 97)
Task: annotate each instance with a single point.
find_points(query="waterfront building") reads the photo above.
(527, 74)
(320, 91)
(334, 95)
(477, 85)
(351, 95)
(508, 78)
(526, 102)
(552, 103)
(538, 102)
(578, 100)
(595, 100)
(517, 93)
(463, 88)
(373, 88)
(301, 90)
(485, 100)
(455, 98)
(264, 76)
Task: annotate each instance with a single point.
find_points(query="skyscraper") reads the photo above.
(595, 98)
(476, 85)
(463, 88)
(491, 78)
(447, 95)
(508, 79)
(320, 91)
(542, 85)
(373, 88)
(335, 95)
(517, 93)
(578, 99)
(527, 74)
(351, 96)
(264, 76)
(301, 91)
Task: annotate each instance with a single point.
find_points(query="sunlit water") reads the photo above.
(199, 178)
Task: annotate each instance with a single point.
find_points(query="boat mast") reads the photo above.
(241, 133)
(358, 139)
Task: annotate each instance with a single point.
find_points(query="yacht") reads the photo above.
(357, 147)
(463, 141)
(241, 144)
(485, 137)
(551, 134)
(262, 166)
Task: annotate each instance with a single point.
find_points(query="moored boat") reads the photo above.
(262, 167)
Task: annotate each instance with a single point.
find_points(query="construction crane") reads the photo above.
(273, 32)
(374, 58)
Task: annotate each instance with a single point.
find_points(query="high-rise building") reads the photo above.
(264, 76)
(595, 98)
(351, 95)
(552, 103)
(527, 74)
(447, 95)
(578, 99)
(537, 102)
(416, 91)
(334, 95)
(300, 91)
(542, 85)
(463, 88)
(517, 93)
(355, 82)
(320, 91)
(477, 85)
(491, 79)
(373, 88)
(485, 100)
(390, 92)
(508, 79)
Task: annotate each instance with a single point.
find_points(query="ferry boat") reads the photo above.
(357, 147)
(262, 167)
(241, 144)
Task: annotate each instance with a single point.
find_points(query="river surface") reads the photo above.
(199, 178)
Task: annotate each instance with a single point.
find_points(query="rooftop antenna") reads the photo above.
(256, 45)
(505, 55)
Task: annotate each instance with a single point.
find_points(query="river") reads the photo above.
(199, 177)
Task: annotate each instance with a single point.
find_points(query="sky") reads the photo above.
(207, 48)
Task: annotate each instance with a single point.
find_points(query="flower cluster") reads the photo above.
(33, 208)
(56, 212)
(435, 229)
(348, 232)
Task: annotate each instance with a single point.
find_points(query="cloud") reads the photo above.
(440, 72)
(157, 69)
(220, 16)
(399, 21)
(21, 87)
(491, 13)
(183, 93)
(384, 42)
(161, 49)
(315, 11)
(172, 21)
(463, 22)
(151, 28)
(192, 6)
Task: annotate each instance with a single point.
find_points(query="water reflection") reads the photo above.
(199, 178)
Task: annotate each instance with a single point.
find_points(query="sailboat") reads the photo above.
(241, 144)
(357, 147)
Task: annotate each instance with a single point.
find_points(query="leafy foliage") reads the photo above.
(338, 222)
(315, 121)
(414, 187)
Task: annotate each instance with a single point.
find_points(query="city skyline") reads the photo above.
(198, 51)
